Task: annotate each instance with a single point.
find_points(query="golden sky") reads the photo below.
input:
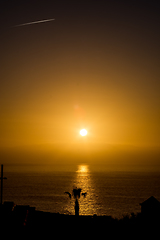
(95, 67)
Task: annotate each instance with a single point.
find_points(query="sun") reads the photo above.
(83, 132)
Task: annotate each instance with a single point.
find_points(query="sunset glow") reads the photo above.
(78, 87)
(80, 117)
(83, 132)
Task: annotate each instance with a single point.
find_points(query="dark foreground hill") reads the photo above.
(25, 220)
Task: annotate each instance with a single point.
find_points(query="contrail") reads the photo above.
(36, 22)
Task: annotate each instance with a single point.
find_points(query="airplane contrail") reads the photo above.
(36, 22)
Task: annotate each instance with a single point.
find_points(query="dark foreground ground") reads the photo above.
(26, 221)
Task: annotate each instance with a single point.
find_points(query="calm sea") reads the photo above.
(114, 193)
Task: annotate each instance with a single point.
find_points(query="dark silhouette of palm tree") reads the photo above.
(76, 193)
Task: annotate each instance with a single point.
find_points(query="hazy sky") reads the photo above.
(95, 67)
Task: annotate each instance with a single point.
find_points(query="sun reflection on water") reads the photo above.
(83, 170)
(83, 180)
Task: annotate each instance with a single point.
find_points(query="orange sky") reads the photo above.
(94, 67)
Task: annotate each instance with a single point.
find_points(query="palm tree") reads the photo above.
(76, 193)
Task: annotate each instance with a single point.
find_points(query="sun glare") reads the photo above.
(83, 170)
(83, 132)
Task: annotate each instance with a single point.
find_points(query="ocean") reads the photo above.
(112, 193)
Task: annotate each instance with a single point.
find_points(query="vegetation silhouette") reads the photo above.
(76, 193)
